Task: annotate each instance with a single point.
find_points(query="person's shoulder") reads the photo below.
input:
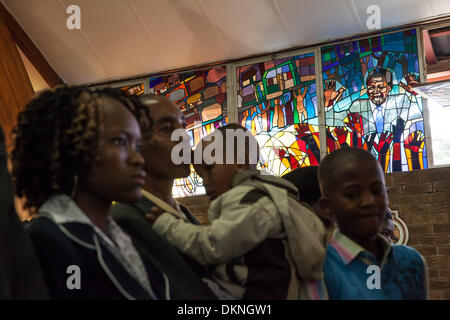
(398, 97)
(408, 256)
(332, 255)
(240, 199)
(119, 208)
(251, 196)
(277, 182)
(41, 226)
(332, 265)
(392, 100)
(263, 189)
(131, 218)
(359, 105)
(46, 236)
(126, 212)
(358, 101)
(248, 197)
(245, 192)
(404, 251)
(333, 260)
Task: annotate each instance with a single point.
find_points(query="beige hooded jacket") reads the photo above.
(257, 222)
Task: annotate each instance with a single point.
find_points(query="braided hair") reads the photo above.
(57, 137)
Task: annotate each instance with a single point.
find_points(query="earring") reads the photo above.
(74, 188)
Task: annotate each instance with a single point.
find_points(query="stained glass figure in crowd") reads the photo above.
(369, 101)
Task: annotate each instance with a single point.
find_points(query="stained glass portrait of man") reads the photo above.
(370, 102)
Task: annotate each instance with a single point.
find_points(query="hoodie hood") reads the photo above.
(304, 230)
(242, 175)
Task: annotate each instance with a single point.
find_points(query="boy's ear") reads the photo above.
(326, 213)
(325, 207)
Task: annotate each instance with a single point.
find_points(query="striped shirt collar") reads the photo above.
(348, 249)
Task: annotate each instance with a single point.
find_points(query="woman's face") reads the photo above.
(117, 173)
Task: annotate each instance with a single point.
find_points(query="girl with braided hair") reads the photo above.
(75, 152)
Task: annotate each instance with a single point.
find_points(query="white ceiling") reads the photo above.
(125, 38)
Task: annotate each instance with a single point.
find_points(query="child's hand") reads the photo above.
(153, 215)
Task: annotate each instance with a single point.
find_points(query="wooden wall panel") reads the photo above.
(27, 46)
(15, 86)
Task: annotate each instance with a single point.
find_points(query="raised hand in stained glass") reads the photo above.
(341, 135)
(414, 144)
(384, 142)
(354, 122)
(412, 80)
(330, 94)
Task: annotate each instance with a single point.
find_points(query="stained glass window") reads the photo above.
(202, 96)
(369, 101)
(277, 102)
(137, 89)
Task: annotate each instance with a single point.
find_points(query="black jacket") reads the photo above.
(185, 284)
(102, 276)
(20, 273)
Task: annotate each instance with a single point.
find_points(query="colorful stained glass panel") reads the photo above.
(277, 102)
(202, 96)
(137, 89)
(369, 101)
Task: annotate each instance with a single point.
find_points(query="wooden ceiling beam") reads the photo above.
(15, 86)
(27, 46)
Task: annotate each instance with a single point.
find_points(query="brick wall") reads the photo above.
(422, 199)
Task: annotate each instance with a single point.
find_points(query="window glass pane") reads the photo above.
(438, 95)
